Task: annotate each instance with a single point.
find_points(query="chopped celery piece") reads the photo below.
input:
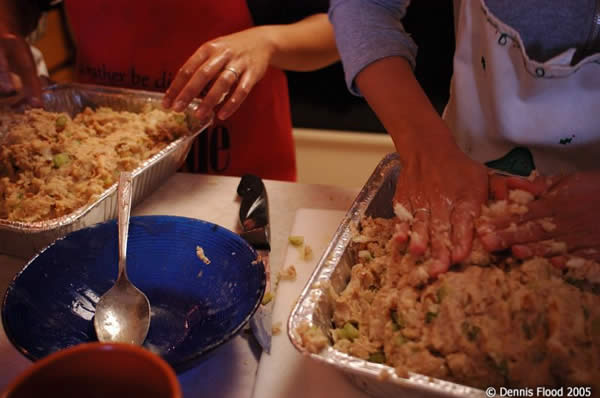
(267, 298)
(61, 122)
(296, 240)
(377, 357)
(60, 159)
(398, 320)
(430, 316)
(349, 331)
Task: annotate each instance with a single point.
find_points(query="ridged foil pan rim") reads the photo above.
(47, 225)
(306, 307)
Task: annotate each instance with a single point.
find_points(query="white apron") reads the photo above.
(501, 99)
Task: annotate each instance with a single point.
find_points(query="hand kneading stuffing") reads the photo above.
(52, 164)
(491, 321)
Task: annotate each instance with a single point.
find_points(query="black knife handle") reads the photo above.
(254, 209)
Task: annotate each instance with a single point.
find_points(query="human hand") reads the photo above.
(560, 220)
(226, 68)
(442, 193)
(19, 81)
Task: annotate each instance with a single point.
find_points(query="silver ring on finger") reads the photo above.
(232, 70)
(423, 209)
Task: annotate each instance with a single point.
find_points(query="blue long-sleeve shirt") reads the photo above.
(368, 30)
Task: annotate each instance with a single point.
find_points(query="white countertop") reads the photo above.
(229, 372)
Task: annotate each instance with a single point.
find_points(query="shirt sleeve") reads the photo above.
(368, 30)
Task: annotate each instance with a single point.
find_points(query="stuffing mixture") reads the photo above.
(492, 321)
(52, 164)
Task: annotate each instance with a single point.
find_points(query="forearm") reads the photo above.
(390, 88)
(19, 17)
(302, 46)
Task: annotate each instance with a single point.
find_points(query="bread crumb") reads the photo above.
(520, 196)
(383, 375)
(313, 338)
(307, 253)
(547, 224)
(200, 254)
(288, 274)
(276, 329)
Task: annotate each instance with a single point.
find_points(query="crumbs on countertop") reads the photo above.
(267, 298)
(276, 329)
(287, 274)
(307, 253)
(296, 240)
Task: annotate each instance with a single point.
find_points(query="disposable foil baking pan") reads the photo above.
(26, 239)
(333, 269)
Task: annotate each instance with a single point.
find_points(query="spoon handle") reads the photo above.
(124, 205)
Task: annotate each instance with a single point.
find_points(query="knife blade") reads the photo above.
(256, 230)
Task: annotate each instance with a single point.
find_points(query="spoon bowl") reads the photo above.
(123, 312)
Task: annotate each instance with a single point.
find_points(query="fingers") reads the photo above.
(462, 221)
(403, 211)
(7, 86)
(440, 249)
(219, 90)
(440, 242)
(500, 185)
(548, 248)
(15, 96)
(238, 96)
(536, 187)
(419, 235)
(17, 58)
(201, 78)
(184, 75)
(527, 232)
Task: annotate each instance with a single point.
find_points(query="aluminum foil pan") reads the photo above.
(26, 239)
(314, 305)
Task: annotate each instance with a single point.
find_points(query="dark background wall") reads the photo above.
(321, 100)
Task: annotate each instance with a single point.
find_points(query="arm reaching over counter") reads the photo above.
(440, 188)
(500, 100)
(228, 67)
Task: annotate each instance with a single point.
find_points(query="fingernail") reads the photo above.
(179, 106)
(491, 242)
(35, 102)
(201, 112)
(522, 252)
(436, 267)
(223, 114)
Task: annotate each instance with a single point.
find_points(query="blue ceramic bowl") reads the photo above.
(196, 307)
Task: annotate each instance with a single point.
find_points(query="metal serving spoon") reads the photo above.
(123, 312)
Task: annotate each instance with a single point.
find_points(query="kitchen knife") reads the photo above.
(254, 220)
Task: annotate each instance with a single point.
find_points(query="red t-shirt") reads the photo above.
(142, 43)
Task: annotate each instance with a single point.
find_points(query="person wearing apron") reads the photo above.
(210, 49)
(508, 110)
